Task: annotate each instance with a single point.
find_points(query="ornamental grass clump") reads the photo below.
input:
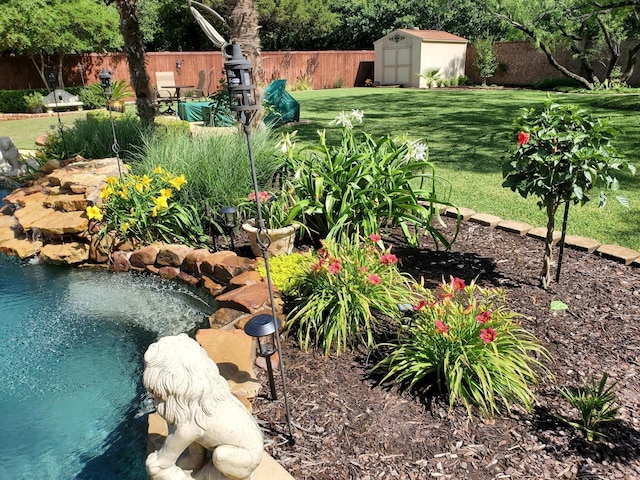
(145, 209)
(347, 294)
(463, 338)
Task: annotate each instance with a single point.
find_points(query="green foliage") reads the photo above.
(563, 152)
(34, 101)
(38, 28)
(463, 338)
(486, 61)
(276, 208)
(362, 183)
(302, 83)
(596, 404)
(13, 101)
(287, 271)
(92, 97)
(146, 209)
(92, 137)
(216, 166)
(432, 78)
(344, 291)
(119, 91)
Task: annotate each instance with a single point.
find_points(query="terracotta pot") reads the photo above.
(116, 106)
(281, 239)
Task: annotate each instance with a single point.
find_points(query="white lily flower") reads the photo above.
(357, 115)
(342, 119)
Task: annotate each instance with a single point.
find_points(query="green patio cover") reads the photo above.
(285, 107)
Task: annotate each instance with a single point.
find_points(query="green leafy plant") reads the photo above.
(119, 90)
(92, 97)
(463, 338)
(145, 209)
(276, 208)
(34, 102)
(344, 292)
(432, 78)
(486, 61)
(363, 183)
(562, 153)
(596, 403)
(286, 271)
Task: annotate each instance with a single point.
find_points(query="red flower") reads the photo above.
(374, 237)
(483, 317)
(488, 335)
(441, 327)
(323, 252)
(523, 138)
(374, 279)
(335, 266)
(457, 283)
(420, 305)
(363, 269)
(446, 296)
(317, 266)
(263, 196)
(388, 259)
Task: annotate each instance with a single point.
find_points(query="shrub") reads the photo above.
(463, 338)
(92, 97)
(146, 209)
(344, 291)
(34, 102)
(362, 183)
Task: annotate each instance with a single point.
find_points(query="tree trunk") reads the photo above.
(242, 18)
(134, 49)
(631, 62)
(545, 275)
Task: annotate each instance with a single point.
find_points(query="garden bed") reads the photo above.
(349, 427)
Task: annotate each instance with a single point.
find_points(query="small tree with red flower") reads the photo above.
(462, 339)
(562, 153)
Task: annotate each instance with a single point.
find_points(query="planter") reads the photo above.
(116, 106)
(281, 239)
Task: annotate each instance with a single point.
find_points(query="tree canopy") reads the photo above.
(594, 31)
(46, 31)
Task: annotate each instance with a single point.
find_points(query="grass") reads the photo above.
(25, 131)
(468, 132)
(469, 136)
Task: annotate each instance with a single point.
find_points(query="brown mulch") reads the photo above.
(347, 426)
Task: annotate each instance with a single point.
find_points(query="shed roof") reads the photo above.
(433, 35)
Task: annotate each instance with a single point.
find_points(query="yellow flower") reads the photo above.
(106, 192)
(177, 182)
(146, 181)
(160, 202)
(139, 187)
(111, 181)
(124, 193)
(124, 227)
(94, 213)
(166, 192)
(154, 212)
(132, 211)
(158, 169)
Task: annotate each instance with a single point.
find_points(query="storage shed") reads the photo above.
(404, 54)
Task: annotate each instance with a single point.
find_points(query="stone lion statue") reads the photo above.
(211, 434)
(9, 156)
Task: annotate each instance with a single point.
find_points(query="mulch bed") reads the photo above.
(347, 426)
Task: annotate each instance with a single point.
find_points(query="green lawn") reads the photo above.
(24, 132)
(469, 135)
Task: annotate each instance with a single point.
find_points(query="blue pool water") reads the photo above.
(72, 403)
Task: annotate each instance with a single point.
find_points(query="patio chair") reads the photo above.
(166, 95)
(201, 90)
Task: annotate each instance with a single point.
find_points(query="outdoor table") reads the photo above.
(177, 89)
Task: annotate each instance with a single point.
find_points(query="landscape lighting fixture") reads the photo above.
(229, 216)
(242, 96)
(81, 72)
(263, 328)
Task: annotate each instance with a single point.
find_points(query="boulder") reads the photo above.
(69, 253)
(172, 255)
(144, 256)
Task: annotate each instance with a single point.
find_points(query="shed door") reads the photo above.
(397, 65)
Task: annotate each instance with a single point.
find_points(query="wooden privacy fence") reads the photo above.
(521, 64)
(323, 69)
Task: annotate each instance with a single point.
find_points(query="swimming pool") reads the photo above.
(72, 403)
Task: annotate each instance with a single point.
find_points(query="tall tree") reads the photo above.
(486, 61)
(134, 49)
(46, 31)
(594, 31)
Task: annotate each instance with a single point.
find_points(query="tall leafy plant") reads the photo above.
(562, 153)
(363, 183)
